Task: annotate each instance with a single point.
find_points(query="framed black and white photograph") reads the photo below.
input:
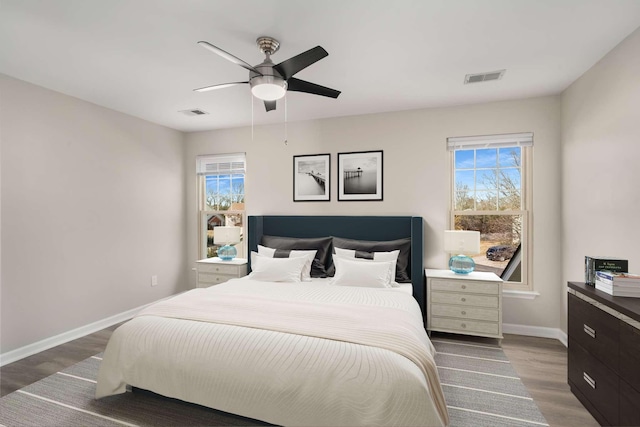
(311, 178)
(360, 175)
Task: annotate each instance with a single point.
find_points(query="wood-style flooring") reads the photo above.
(540, 362)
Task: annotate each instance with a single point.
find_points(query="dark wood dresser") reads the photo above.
(604, 354)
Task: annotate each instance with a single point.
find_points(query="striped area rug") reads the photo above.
(480, 385)
(482, 388)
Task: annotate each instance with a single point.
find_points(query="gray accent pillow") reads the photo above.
(321, 244)
(404, 245)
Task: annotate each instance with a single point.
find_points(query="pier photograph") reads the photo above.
(311, 174)
(360, 175)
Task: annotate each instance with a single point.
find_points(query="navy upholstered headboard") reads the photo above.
(350, 227)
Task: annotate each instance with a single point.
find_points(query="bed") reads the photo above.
(307, 352)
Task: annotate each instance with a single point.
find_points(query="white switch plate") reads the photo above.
(154, 280)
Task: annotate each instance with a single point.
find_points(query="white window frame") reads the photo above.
(525, 141)
(218, 164)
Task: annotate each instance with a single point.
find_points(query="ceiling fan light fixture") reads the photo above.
(268, 88)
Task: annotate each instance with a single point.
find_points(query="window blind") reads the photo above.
(220, 164)
(524, 139)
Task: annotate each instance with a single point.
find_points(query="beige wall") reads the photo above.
(416, 176)
(600, 163)
(92, 206)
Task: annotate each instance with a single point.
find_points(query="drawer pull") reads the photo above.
(589, 380)
(464, 325)
(464, 286)
(464, 313)
(589, 331)
(463, 299)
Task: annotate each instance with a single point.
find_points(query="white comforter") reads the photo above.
(289, 354)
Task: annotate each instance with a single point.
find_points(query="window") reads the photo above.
(220, 198)
(491, 194)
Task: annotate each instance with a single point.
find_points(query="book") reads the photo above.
(617, 277)
(618, 284)
(600, 263)
(616, 291)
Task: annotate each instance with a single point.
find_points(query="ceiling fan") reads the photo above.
(270, 82)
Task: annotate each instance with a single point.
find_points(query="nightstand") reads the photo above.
(469, 304)
(213, 271)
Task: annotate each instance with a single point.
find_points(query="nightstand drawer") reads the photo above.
(219, 269)
(466, 326)
(462, 312)
(464, 299)
(466, 286)
(206, 279)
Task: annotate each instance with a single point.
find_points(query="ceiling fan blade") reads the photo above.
(228, 56)
(299, 62)
(221, 86)
(270, 105)
(298, 85)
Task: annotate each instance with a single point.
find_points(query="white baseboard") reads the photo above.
(535, 331)
(47, 343)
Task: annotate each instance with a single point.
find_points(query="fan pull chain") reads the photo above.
(285, 119)
(251, 97)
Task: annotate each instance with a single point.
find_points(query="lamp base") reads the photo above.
(227, 252)
(461, 264)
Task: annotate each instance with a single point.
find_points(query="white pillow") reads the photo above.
(309, 255)
(305, 276)
(364, 274)
(391, 256)
(277, 269)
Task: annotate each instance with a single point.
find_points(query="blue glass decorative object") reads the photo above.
(227, 252)
(461, 264)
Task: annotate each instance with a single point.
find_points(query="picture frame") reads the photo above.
(312, 178)
(360, 176)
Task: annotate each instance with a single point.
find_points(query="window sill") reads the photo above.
(510, 293)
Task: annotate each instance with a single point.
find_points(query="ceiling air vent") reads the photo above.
(484, 77)
(193, 112)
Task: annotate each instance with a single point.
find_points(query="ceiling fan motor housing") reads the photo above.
(270, 85)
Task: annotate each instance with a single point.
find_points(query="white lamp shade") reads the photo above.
(226, 235)
(462, 242)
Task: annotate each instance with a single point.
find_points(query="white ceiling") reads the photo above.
(140, 57)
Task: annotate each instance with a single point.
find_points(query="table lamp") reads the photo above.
(226, 236)
(462, 243)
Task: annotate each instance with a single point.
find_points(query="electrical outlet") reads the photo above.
(154, 280)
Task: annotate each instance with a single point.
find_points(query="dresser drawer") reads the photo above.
(469, 300)
(595, 330)
(219, 269)
(462, 312)
(595, 381)
(466, 286)
(630, 355)
(464, 326)
(629, 408)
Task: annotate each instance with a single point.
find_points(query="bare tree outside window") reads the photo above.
(223, 205)
(488, 198)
